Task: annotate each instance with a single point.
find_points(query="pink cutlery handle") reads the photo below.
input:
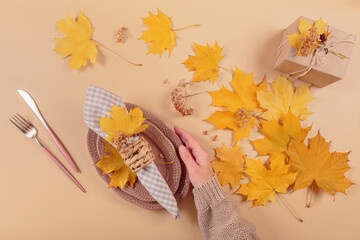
(64, 169)
(63, 149)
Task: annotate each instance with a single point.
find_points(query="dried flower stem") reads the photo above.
(193, 25)
(191, 95)
(308, 204)
(228, 70)
(102, 45)
(287, 204)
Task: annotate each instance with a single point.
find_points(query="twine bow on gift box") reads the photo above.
(318, 56)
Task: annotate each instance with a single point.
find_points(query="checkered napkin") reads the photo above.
(98, 104)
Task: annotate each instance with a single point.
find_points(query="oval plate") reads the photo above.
(163, 140)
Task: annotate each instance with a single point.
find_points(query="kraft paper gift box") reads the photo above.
(327, 67)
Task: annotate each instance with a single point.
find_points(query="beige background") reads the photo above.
(38, 202)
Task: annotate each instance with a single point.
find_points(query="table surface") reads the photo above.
(38, 202)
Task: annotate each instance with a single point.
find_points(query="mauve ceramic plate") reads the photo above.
(162, 140)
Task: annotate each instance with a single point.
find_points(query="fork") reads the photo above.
(30, 131)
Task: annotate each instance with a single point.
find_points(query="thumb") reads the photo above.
(187, 157)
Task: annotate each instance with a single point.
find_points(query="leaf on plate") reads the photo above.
(205, 63)
(123, 123)
(278, 135)
(243, 107)
(78, 42)
(265, 183)
(315, 164)
(160, 35)
(113, 163)
(229, 165)
(283, 98)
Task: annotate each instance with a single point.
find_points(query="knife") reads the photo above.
(31, 103)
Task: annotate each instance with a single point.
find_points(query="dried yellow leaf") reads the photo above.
(78, 42)
(205, 63)
(315, 164)
(160, 35)
(229, 165)
(123, 123)
(277, 136)
(121, 174)
(243, 107)
(283, 99)
(265, 183)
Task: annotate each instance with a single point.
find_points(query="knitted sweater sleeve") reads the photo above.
(219, 214)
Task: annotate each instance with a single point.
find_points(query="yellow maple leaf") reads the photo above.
(277, 136)
(122, 122)
(160, 35)
(78, 42)
(121, 174)
(283, 98)
(265, 183)
(243, 107)
(304, 27)
(229, 165)
(205, 63)
(315, 164)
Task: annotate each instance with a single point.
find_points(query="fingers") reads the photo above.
(189, 140)
(187, 158)
(201, 156)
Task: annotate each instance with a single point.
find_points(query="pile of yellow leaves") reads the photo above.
(119, 124)
(277, 113)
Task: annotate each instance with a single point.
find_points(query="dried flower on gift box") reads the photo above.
(315, 165)
(278, 102)
(78, 43)
(161, 34)
(179, 96)
(121, 34)
(243, 108)
(113, 163)
(205, 63)
(310, 36)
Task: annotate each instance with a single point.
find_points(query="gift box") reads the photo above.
(325, 65)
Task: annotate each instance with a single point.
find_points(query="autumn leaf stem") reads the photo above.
(115, 53)
(308, 204)
(228, 70)
(287, 204)
(193, 25)
(160, 162)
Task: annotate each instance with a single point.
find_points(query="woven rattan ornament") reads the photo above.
(136, 154)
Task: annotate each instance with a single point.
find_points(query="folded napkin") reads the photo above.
(98, 104)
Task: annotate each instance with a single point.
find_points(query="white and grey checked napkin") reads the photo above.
(98, 104)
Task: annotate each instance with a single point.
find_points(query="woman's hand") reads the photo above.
(196, 159)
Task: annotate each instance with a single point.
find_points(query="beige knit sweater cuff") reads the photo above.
(208, 193)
